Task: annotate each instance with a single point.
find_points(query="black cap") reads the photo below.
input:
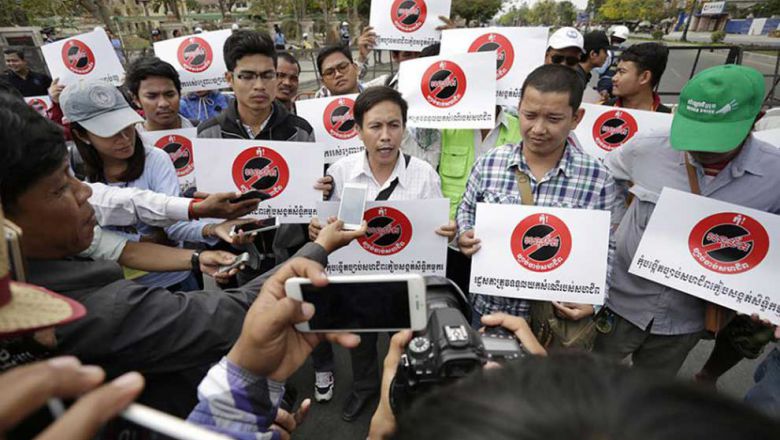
(596, 40)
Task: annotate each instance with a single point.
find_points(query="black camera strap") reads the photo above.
(387, 192)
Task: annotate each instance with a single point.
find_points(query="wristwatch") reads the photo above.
(195, 261)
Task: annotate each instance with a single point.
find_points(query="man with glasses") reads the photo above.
(338, 71)
(288, 71)
(566, 46)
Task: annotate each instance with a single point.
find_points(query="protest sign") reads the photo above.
(334, 124)
(178, 145)
(519, 50)
(542, 253)
(285, 171)
(401, 238)
(716, 251)
(41, 104)
(408, 25)
(771, 136)
(604, 129)
(87, 56)
(455, 91)
(197, 58)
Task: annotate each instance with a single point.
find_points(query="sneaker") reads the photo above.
(323, 386)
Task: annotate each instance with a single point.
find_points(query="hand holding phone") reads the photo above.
(251, 195)
(362, 303)
(352, 206)
(240, 260)
(255, 227)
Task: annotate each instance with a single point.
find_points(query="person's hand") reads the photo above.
(210, 261)
(324, 184)
(269, 345)
(366, 42)
(572, 311)
(519, 327)
(29, 387)
(766, 322)
(383, 421)
(334, 236)
(223, 232)
(55, 90)
(448, 23)
(285, 423)
(314, 228)
(468, 244)
(218, 205)
(449, 230)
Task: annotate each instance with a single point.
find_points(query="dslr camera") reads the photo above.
(448, 348)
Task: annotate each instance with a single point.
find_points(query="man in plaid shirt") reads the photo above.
(560, 174)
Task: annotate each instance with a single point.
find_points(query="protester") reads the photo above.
(638, 73)
(116, 43)
(202, 105)
(711, 153)
(558, 174)
(28, 82)
(338, 71)
(288, 71)
(618, 38)
(103, 127)
(344, 34)
(565, 46)
(307, 44)
(280, 41)
(380, 116)
(155, 88)
(596, 45)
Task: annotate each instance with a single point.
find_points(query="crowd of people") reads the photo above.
(107, 226)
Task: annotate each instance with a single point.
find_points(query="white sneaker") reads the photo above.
(323, 386)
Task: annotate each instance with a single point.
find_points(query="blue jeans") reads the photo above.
(765, 394)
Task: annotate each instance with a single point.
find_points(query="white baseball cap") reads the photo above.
(621, 32)
(567, 37)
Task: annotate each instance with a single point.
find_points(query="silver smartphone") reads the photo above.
(352, 206)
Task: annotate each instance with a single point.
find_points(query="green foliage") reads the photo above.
(475, 10)
(767, 8)
(544, 12)
(516, 16)
(619, 10)
(718, 36)
(567, 13)
(657, 34)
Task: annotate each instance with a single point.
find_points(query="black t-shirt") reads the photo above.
(36, 84)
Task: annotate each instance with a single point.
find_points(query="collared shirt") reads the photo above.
(324, 92)
(252, 134)
(116, 206)
(578, 181)
(36, 84)
(417, 181)
(482, 146)
(750, 179)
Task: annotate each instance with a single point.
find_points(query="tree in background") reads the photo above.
(543, 13)
(567, 13)
(620, 10)
(767, 8)
(479, 11)
(516, 16)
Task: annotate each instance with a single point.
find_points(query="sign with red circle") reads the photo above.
(728, 243)
(195, 54)
(541, 242)
(408, 15)
(443, 84)
(613, 129)
(39, 105)
(179, 148)
(389, 231)
(338, 119)
(262, 169)
(78, 57)
(505, 53)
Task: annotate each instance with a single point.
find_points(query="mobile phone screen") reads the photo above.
(354, 306)
(260, 224)
(353, 202)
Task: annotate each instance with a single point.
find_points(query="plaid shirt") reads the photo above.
(578, 181)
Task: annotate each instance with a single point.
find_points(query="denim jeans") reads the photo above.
(765, 394)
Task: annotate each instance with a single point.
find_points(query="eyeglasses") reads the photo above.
(563, 59)
(341, 67)
(268, 75)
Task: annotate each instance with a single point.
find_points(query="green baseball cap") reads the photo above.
(717, 109)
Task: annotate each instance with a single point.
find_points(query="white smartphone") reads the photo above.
(362, 303)
(353, 203)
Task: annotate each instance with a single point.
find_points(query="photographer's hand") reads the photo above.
(520, 328)
(269, 345)
(334, 236)
(383, 422)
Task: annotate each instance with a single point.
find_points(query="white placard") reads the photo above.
(178, 145)
(87, 56)
(771, 136)
(197, 58)
(334, 124)
(455, 91)
(717, 251)
(287, 171)
(519, 50)
(604, 129)
(542, 253)
(401, 238)
(41, 104)
(408, 25)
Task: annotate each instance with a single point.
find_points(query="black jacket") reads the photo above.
(283, 126)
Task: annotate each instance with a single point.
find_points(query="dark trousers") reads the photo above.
(365, 363)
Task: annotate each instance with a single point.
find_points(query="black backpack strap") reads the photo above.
(387, 192)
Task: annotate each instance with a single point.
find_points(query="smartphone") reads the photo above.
(353, 203)
(362, 303)
(250, 195)
(241, 259)
(258, 226)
